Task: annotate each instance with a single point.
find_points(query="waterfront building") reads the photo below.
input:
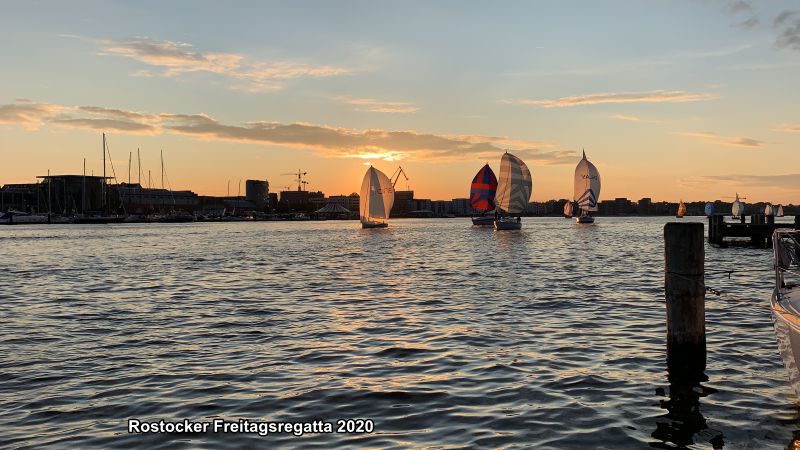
(256, 192)
(461, 207)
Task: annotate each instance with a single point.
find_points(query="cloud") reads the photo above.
(722, 140)
(323, 139)
(787, 181)
(380, 106)
(178, 58)
(787, 23)
(741, 8)
(28, 114)
(626, 118)
(622, 97)
(789, 128)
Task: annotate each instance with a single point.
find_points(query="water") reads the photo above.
(442, 334)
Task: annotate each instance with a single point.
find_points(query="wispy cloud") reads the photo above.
(787, 181)
(29, 114)
(323, 139)
(621, 97)
(380, 106)
(788, 128)
(626, 118)
(787, 23)
(714, 138)
(178, 58)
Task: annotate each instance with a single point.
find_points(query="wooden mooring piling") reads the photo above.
(759, 229)
(684, 288)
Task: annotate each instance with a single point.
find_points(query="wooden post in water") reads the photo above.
(684, 287)
(716, 225)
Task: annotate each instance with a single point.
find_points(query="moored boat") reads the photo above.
(786, 301)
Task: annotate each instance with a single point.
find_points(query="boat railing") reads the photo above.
(786, 251)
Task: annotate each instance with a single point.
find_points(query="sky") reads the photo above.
(678, 99)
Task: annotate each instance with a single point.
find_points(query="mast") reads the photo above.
(49, 186)
(130, 155)
(162, 168)
(104, 173)
(83, 191)
(139, 165)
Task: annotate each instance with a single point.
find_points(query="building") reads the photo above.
(403, 203)
(301, 201)
(256, 192)
(140, 200)
(460, 207)
(645, 206)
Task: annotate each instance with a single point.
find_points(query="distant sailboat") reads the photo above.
(568, 210)
(737, 209)
(779, 212)
(481, 196)
(513, 192)
(681, 210)
(769, 210)
(587, 189)
(377, 197)
(709, 209)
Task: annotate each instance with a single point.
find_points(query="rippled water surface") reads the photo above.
(443, 334)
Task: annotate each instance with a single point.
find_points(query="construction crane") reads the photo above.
(300, 182)
(396, 176)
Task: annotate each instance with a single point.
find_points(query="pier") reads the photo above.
(759, 228)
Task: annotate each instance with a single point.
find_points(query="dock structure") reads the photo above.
(759, 228)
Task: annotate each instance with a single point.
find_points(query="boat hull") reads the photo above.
(368, 224)
(483, 221)
(787, 331)
(99, 220)
(508, 223)
(584, 219)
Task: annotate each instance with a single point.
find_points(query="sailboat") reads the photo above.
(587, 189)
(568, 210)
(681, 210)
(779, 212)
(709, 210)
(513, 192)
(106, 216)
(377, 197)
(769, 210)
(481, 196)
(737, 209)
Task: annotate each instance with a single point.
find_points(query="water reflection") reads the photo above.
(684, 419)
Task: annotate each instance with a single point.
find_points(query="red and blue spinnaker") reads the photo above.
(483, 189)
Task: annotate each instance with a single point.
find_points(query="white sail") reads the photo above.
(514, 185)
(737, 208)
(587, 185)
(681, 209)
(568, 209)
(377, 197)
(768, 210)
(779, 212)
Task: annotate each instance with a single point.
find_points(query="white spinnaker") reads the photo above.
(769, 210)
(779, 212)
(587, 185)
(377, 196)
(514, 186)
(568, 209)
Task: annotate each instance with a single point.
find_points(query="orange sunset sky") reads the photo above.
(693, 100)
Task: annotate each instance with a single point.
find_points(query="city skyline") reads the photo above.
(330, 88)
